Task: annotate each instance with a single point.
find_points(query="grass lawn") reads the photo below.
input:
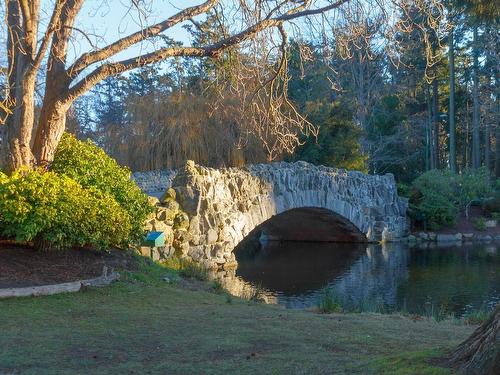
(143, 325)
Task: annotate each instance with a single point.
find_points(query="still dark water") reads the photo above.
(393, 277)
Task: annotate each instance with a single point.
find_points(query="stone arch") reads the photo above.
(308, 224)
(224, 205)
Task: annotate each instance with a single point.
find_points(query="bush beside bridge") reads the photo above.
(437, 197)
(86, 199)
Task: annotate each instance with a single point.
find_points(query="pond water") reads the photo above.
(456, 280)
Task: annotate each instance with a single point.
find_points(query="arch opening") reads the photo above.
(309, 224)
(306, 224)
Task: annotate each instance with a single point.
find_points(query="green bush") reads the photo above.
(55, 211)
(474, 186)
(492, 206)
(92, 167)
(438, 196)
(403, 190)
(479, 223)
(433, 199)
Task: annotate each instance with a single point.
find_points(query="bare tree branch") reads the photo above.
(92, 57)
(111, 69)
(51, 28)
(212, 50)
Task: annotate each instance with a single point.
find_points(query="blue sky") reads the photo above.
(103, 21)
(111, 19)
(108, 20)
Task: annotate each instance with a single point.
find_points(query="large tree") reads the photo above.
(480, 353)
(31, 44)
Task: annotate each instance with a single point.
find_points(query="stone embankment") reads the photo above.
(447, 237)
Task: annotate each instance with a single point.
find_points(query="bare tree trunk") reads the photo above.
(487, 146)
(480, 353)
(427, 146)
(21, 52)
(476, 145)
(468, 148)
(20, 124)
(428, 130)
(49, 131)
(435, 110)
(3, 148)
(494, 78)
(56, 101)
(359, 71)
(453, 145)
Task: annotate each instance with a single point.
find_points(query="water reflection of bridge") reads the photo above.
(375, 276)
(371, 273)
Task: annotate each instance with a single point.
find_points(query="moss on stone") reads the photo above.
(181, 221)
(170, 194)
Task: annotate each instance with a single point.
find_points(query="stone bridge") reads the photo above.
(207, 212)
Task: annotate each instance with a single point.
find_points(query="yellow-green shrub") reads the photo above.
(92, 167)
(57, 211)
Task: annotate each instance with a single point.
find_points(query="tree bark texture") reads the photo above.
(480, 353)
